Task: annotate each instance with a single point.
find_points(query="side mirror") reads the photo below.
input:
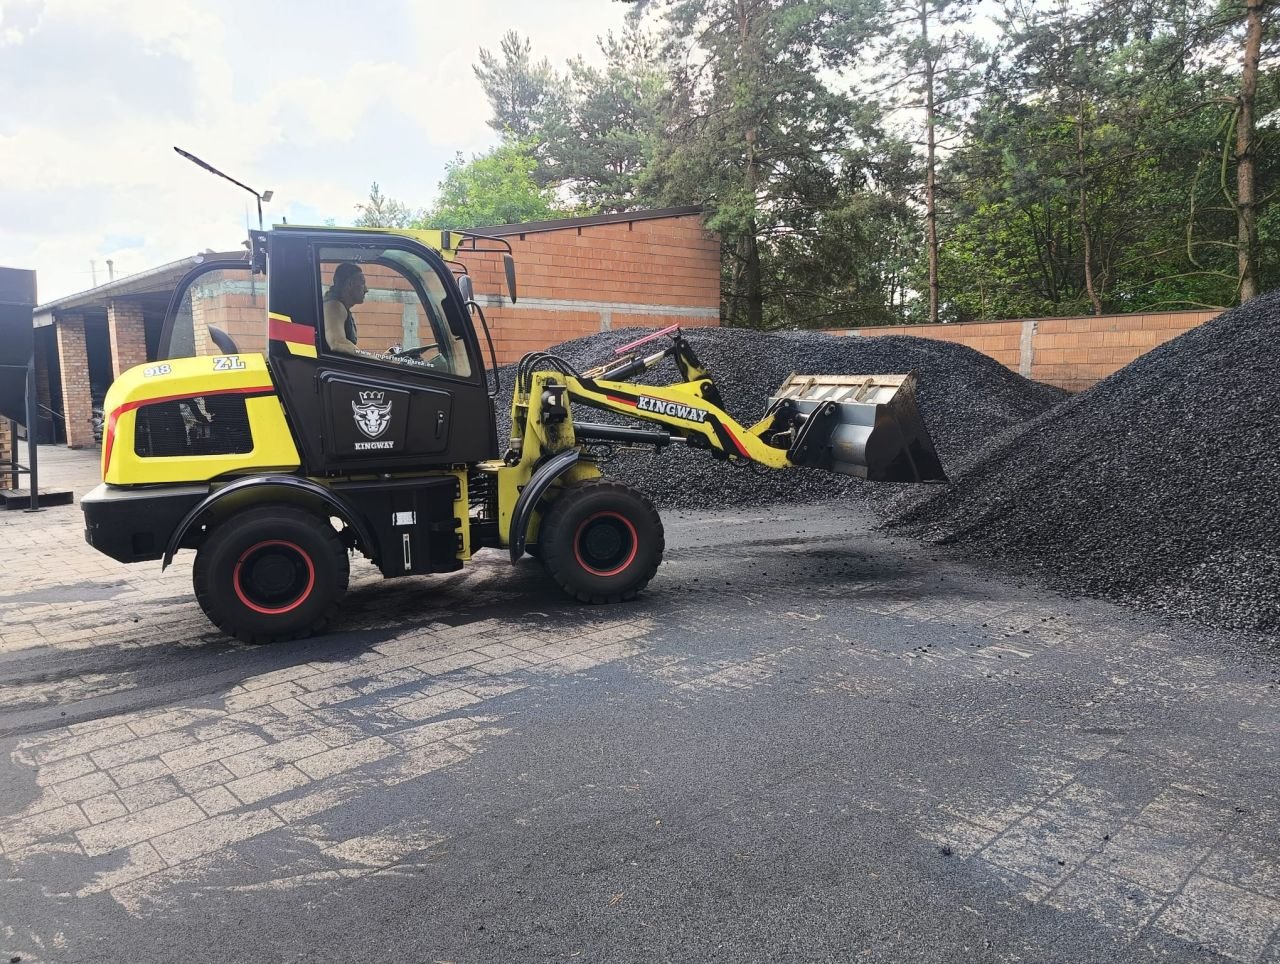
(509, 264)
(467, 287)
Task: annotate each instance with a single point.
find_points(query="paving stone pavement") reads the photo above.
(806, 742)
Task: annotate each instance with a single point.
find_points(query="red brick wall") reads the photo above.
(1000, 339)
(44, 393)
(216, 299)
(128, 334)
(1072, 353)
(573, 282)
(1078, 352)
(77, 401)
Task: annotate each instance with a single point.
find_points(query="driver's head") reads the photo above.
(348, 284)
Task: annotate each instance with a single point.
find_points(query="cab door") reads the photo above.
(409, 392)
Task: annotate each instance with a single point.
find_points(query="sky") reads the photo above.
(311, 99)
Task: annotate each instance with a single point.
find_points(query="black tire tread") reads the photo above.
(265, 516)
(552, 521)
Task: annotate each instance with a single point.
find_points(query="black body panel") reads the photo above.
(412, 520)
(376, 414)
(133, 525)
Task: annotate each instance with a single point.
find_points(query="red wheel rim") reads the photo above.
(606, 537)
(255, 585)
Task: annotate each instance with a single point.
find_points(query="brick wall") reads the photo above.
(6, 449)
(1072, 353)
(233, 302)
(571, 282)
(77, 400)
(1078, 352)
(1000, 339)
(44, 391)
(128, 335)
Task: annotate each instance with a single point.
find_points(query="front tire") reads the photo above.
(602, 541)
(271, 573)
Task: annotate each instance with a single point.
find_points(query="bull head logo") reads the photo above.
(372, 414)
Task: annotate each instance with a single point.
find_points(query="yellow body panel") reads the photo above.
(273, 448)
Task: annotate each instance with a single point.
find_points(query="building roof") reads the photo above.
(158, 281)
(560, 224)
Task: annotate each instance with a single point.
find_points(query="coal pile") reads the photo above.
(965, 398)
(1158, 486)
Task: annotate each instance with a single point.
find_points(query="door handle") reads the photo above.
(439, 425)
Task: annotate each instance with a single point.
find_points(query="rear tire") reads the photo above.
(271, 573)
(602, 541)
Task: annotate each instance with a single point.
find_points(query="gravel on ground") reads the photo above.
(1157, 487)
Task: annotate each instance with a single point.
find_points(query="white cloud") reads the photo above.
(311, 101)
(18, 19)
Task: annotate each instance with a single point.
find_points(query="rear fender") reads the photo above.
(268, 488)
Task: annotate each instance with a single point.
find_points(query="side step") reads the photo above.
(866, 426)
(21, 498)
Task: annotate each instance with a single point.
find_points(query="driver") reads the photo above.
(347, 290)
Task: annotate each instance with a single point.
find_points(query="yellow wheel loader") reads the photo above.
(368, 425)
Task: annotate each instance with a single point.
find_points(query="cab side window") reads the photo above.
(221, 312)
(388, 306)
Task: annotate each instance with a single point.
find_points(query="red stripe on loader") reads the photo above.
(289, 331)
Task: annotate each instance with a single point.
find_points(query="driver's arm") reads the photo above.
(335, 334)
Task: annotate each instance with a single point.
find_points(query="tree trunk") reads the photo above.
(751, 293)
(1246, 198)
(930, 184)
(1085, 240)
(749, 246)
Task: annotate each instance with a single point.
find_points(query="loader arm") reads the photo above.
(684, 410)
(691, 411)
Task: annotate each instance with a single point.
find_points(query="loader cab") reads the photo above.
(412, 394)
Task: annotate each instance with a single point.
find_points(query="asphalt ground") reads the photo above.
(806, 742)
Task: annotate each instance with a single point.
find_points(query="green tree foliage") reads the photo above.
(525, 96)
(608, 134)
(381, 211)
(1094, 176)
(867, 162)
(930, 69)
(498, 187)
(592, 130)
(784, 163)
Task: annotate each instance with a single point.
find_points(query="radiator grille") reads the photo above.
(217, 425)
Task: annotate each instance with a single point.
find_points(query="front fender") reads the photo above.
(282, 484)
(532, 494)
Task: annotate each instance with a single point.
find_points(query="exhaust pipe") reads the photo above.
(866, 426)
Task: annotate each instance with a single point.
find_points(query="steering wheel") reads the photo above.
(415, 352)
